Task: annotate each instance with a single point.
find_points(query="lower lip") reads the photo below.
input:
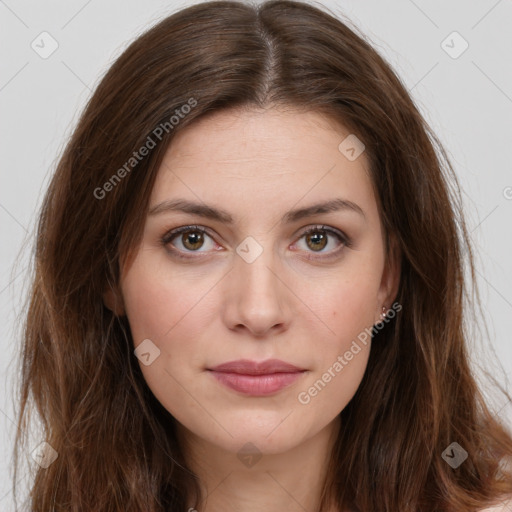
(257, 385)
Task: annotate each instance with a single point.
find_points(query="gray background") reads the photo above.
(467, 100)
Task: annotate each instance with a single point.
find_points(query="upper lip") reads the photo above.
(248, 367)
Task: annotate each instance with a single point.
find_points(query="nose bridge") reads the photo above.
(255, 267)
(258, 299)
(258, 273)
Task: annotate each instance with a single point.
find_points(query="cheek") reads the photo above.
(329, 391)
(341, 357)
(172, 312)
(159, 303)
(348, 305)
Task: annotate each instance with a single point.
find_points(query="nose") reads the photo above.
(256, 297)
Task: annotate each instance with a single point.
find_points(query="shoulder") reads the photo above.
(505, 505)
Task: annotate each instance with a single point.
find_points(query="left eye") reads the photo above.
(317, 238)
(193, 238)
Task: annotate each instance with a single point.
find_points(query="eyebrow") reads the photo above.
(220, 215)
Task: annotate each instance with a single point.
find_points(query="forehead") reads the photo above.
(262, 160)
(264, 135)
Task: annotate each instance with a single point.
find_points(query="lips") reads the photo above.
(247, 367)
(257, 378)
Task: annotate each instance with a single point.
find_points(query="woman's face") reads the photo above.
(254, 287)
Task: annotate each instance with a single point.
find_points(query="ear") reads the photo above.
(114, 301)
(390, 278)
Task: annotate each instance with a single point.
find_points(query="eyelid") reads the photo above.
(172, 233)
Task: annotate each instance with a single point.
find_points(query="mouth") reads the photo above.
(257, 378)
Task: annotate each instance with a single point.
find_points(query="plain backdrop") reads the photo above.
(461, 82)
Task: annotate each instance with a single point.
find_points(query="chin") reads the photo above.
(269, 434)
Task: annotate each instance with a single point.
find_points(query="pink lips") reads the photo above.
(257, 378)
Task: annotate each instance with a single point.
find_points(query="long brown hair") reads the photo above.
(116, 445)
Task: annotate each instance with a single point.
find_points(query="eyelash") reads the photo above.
(170, 235)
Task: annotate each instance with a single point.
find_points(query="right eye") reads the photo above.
(192, 238)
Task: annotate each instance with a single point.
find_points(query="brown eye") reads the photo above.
(317, 240)
(187, 239)
(192, 239)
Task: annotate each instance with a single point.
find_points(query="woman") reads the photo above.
(249, 288)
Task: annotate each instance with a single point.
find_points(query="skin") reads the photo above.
(216, 307)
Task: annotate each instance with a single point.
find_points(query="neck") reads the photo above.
(261, 482)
